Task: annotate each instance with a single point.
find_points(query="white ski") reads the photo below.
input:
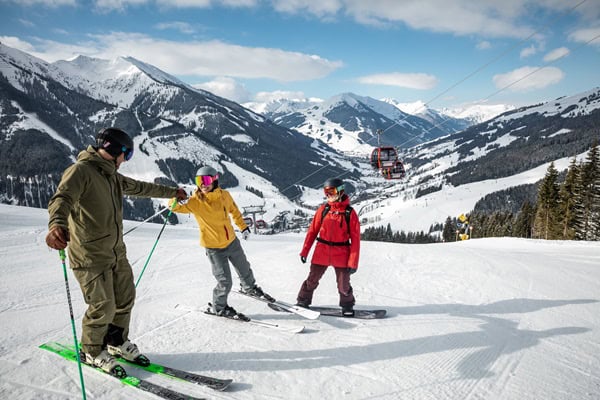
(304, 312)
(246, 319)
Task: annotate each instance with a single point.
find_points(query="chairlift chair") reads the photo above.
(383, 157)
(396, 171)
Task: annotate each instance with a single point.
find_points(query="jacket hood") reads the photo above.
(91, 156)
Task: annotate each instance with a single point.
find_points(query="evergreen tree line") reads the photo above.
(255, 191)
(567, 210)
(386, 234)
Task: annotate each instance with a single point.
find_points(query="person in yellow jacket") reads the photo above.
(212, 208)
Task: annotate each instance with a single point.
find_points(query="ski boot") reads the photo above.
(348, 311)
(303, 304)
(105, 362)
(257, 292)
(130, 352)
(226, 312)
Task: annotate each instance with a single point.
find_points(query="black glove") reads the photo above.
(246, 233)
(351, 270)
(303, 259)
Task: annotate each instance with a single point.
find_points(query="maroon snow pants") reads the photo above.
(314, 276)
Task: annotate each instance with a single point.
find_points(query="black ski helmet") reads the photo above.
(115, 141)
(336, 183)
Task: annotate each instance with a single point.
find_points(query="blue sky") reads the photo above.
(447, 53)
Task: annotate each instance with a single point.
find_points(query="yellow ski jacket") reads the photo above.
(212, 211)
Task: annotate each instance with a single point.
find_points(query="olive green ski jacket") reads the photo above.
(89, 203)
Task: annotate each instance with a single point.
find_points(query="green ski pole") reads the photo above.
(156, 242)
(63, 257)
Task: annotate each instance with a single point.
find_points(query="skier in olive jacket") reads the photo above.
(87, 212)
(338, 244)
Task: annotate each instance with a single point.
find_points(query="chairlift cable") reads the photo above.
(457, 83)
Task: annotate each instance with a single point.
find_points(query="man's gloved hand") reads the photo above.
(246, 233)
(181, 194)
(351, 270)
(57, 238)
(303, 259)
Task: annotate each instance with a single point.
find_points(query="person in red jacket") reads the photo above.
(336, 229)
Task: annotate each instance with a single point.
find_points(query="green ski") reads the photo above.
(130, 380)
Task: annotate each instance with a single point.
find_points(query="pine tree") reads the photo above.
(448, 231)
(524, 221)
(567, 202)
(547, 217)
(594, 160)
(587, 209)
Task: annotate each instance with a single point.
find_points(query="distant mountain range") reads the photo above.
(349, 123)
(49, 112)
(278, 151)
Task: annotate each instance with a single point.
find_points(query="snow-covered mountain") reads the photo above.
(48, 112)
(447, 176)
(477, 113)
(51, 111)
(446, 122)
(349, 122)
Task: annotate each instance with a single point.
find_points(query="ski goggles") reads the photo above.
(127, 152)
(206, 180)
(332, 190)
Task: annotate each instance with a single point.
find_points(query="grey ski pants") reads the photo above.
(219, 259)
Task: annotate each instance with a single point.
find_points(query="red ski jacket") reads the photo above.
(337, 244)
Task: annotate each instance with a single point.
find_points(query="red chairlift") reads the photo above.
(260, 224)
(397, 171)
(384, 157)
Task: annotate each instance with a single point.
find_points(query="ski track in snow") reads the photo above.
(484, 319)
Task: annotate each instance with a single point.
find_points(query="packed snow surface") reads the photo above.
(486, 319)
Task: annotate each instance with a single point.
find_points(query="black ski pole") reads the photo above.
(63, 257)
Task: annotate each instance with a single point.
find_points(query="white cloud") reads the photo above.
(195, 58)
(528, 51)
(110, 5)
(47, 3)
(226, 87)
(17, 43)
(528, 78)
(585, 35)
(51, 51)
(488, 18)
(321, 8)
(483, 45)
(418, 81)
(26, 22)
(265, 97)
(180, 26)
(556, 54)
